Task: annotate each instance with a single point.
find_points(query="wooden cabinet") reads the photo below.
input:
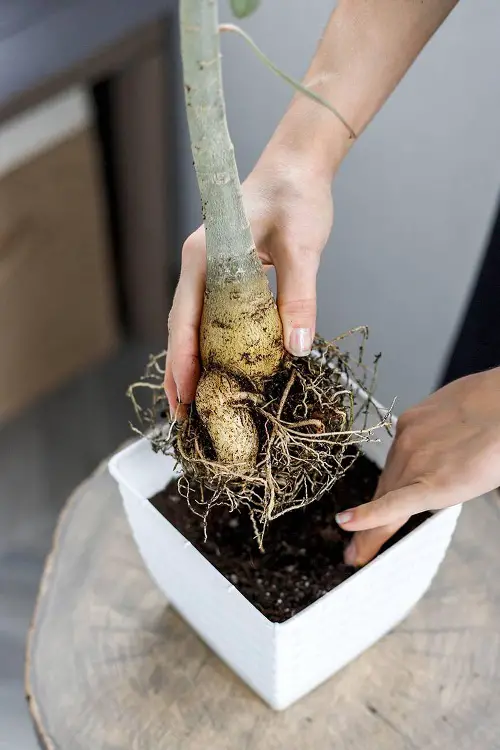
(57, 298)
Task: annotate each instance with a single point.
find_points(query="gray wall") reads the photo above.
(415, 198)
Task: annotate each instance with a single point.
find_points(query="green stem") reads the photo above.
(231, 255)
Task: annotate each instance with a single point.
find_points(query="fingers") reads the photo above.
(386, 510)
(183, 366)
(170, 387)
(364, 545)
(296, 279)
(178, 410)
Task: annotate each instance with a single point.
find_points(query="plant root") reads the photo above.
(309, 422)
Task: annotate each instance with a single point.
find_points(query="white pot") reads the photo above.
(281, 662)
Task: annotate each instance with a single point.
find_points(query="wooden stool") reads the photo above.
(110, 666)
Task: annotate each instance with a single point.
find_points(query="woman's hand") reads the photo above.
(288, 195)
(290, 208)
(446, 451)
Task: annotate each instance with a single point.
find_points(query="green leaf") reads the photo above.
(292, 81)
(243, 8)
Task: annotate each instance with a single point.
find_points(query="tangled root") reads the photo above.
(308, 423)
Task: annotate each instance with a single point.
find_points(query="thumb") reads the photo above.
(296, 278)
(364, 545)
(386, 510)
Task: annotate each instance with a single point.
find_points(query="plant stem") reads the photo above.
(231, 254)
(240, 328)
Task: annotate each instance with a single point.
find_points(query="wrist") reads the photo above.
(311, 134)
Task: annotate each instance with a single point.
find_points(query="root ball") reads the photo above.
(305, 428)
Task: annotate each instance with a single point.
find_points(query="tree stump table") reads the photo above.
(110, 666)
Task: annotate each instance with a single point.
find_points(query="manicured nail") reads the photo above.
(350, 553)
(300, 341)
(344, 517)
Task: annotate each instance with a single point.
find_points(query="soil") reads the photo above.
(303, 558)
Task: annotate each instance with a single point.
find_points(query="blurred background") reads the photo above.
(97, 192)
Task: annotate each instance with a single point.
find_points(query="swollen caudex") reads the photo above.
(240, 336)
(229, 424)
(241, 329)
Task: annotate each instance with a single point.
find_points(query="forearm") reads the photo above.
(366, 49)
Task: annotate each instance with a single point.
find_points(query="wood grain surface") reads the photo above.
(110, 666)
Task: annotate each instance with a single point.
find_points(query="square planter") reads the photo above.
(281, 662)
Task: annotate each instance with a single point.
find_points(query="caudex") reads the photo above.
(267, 432)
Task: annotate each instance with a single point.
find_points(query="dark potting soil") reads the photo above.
(303, 557)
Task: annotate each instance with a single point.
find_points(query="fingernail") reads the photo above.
(350, 553)
(300, 341)
(344, 517)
